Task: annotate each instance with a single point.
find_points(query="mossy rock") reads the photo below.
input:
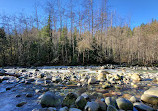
(69, 99)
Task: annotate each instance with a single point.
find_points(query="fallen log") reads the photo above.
(9, 74)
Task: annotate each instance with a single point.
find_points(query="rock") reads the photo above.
(124, 104)
(102, 75)
(69, 99)
(52, 109)
(29, 95)
(0, 80)
(2, 70)
(92, 106)
(150, 96)
(117, 77)
(64, 109)
(86, 96)
(5, 78)
(111, 101)
(133, 99)
(20, 104)
(18, 95)
(106, 85)
(74, 109)
(152, 91)
(135, 77)
(48, 78)
(91, 80)
(56, 79)
(111, 108)
(102, 105)
(151, 99)
(142, 107)
(42, 75)
(80, 102)
(49, 99)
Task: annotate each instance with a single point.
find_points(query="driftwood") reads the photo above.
(9, 74)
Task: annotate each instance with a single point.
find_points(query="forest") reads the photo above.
(75, 34)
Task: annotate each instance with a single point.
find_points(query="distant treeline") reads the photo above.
(75, 37)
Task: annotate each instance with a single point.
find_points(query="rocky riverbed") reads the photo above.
(79, 89)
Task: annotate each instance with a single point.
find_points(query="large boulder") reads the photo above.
(49, 99)
(150, 96)
(152, 91)
(69, 99)
(151, 99)
(92, 106)
(142, 107)
(124, 104)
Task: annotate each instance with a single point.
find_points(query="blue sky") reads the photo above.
(137, 11)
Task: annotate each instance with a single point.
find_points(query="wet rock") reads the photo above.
(64, 109)
(49, 99)
(69, 99)
(124, 104)
(111, 108)
(110, 101)
(21, 104)
(80, 102)
(142, 107)
(92, 106)
(74, 109)
(92, 80)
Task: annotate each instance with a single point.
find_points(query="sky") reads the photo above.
(134, 11)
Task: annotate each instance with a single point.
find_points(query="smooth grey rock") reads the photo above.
(124, 104)
(142, 107)
(92, 106)
(74, 109)
(49, 99)
(64, 109)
